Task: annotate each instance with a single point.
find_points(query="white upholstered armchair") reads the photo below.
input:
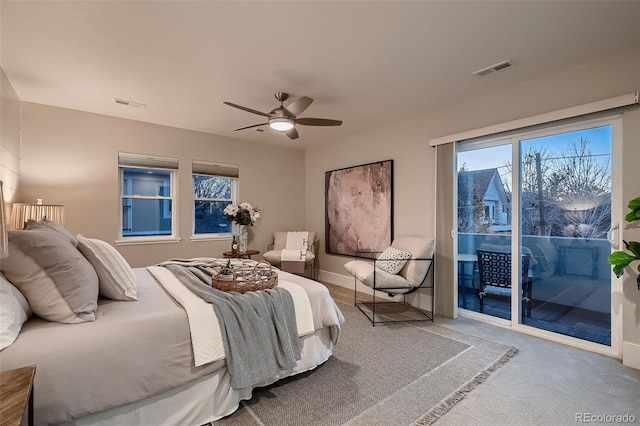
(293, 251)
(401, 269)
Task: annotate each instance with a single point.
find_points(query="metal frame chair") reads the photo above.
(407, 281)
(495, 270)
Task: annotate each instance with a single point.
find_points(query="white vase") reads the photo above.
(243, 234)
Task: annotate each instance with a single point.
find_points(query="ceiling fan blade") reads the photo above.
(296, 107)
(293, 133)
(318, 122)
(249, 127)
(253, 111)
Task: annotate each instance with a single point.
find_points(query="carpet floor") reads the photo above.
(400, 374)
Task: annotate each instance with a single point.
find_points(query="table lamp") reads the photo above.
(22, 212)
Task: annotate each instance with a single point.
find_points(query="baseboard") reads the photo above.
(417, 299)
(631, 354)
(336, 279)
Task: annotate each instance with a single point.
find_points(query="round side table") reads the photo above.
(240, 255)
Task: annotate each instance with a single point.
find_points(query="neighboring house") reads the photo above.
(482, 202)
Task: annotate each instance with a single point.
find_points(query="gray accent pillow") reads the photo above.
(46, 223)
(116, 279)
(57, 281)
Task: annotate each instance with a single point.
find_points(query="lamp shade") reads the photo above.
(4, 242)
(22, 212)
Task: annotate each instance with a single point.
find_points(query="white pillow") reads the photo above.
(392, 260)
(14, 311)
(115, 277)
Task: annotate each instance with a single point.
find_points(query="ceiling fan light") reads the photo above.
(281, 124)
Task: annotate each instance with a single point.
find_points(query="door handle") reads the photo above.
(612, 235)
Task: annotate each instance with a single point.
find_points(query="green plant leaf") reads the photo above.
(618, 257)
(620, 260)
(618, 270)
(631, 216)
(634, 247)
(634, 214)
(635, 204)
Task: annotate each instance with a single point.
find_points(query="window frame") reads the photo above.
(128, 161)
(198, 168)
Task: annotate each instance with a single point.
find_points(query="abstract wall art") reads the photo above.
(359, 208)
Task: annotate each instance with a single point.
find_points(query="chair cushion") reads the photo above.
(497, 291)
(420, 248)
(392, 260)
(363, 271)
(275, 257)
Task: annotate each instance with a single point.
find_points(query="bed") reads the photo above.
(134, 364)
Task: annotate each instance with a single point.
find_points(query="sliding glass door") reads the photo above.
(538, 207)
(565, 214)
(484, 220)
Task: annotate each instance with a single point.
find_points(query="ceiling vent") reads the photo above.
(493, 68)
(129, 103)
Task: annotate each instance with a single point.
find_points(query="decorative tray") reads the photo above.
(241, 278)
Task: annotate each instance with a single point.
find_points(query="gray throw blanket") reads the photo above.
(259, 328)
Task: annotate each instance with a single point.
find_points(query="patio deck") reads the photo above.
(579, 311)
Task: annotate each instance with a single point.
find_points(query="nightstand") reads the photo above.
(16, 396)
(241, 254)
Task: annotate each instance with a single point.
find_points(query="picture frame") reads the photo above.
(359, 208)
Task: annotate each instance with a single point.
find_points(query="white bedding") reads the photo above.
(206, 338)
(137, 355)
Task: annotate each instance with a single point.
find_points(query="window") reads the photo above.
(147, 198)
(215, 186)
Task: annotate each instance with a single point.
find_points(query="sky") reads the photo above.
(498, 156)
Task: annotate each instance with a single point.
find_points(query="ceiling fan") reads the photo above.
(284, 119)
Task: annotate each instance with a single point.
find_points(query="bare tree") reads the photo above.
(576, 189)
(578, 175)
(472, 219)
(589, 223)
(527, 169)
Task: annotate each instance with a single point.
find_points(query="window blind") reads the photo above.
(126, 159)
(215, 169)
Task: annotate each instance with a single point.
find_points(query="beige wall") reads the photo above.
(71, 158)
(407, 144)
(9, 140)
(631, 232)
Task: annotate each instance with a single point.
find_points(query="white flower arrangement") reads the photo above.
(243, 214)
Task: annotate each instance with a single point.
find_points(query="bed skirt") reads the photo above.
(205, 399)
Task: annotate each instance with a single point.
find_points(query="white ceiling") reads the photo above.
(366, 63)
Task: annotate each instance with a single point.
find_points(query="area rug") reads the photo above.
(397, 374)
